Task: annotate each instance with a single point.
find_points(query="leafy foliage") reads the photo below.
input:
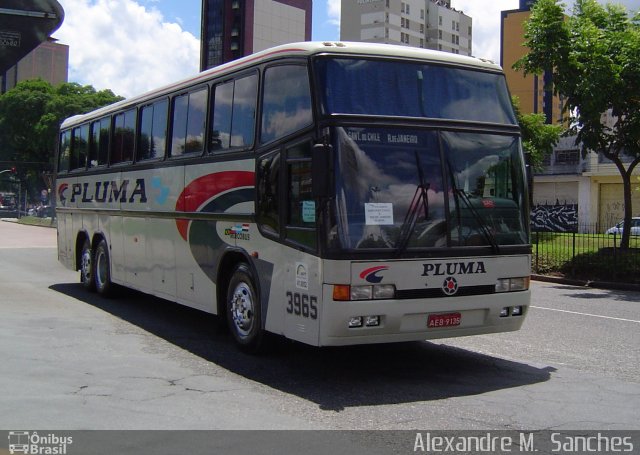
(594, 56)
(30, 116)
(538, 137)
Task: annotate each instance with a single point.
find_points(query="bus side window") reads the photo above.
(268, 211)
(153, 131)
(65, 152)
(287, 102)
(222, 110)
(301, 210)
(79, 147)
(234, 114)
(99, 145)
(189, 118)
(123, 137)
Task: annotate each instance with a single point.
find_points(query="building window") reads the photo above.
(567, 157)
(421, 42)
(402, 7)
(421, 28)
(439, 20)
(421, 14)
(439, 34)
(408, 10)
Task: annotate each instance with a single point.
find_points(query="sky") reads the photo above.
(133, 46)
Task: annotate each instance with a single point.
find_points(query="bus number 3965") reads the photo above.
(302, 305)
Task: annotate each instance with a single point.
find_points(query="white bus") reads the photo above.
(332, 193)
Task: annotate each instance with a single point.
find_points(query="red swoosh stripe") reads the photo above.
(207, 187)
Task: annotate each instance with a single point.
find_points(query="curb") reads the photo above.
(587, 283)
(16, 221)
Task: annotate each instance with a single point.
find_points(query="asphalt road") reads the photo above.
(74, 360)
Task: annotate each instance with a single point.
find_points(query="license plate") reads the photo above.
(444, 320)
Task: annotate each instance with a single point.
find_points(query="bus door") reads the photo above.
(287, 212)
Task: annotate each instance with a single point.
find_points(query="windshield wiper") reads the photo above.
(486, 232)
(420, 200)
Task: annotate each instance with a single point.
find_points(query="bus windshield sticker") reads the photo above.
(378, 213)
(308, 211)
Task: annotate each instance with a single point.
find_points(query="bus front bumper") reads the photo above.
(421, 319)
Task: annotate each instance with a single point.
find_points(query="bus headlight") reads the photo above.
(513, 284)
(384, 291)
(361, 292)
(343, 292)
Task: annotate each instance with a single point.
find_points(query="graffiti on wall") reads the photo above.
(554, 218)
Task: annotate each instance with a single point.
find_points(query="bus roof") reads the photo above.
(302, 49)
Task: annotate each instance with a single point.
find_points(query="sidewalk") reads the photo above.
(15, 235)
(618, 286)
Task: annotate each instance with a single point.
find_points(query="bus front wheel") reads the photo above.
(244, 315)
(102, 269)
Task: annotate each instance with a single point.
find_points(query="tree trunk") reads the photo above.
(626, 175)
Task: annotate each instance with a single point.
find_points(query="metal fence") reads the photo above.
(586, 254)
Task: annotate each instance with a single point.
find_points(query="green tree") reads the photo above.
(594, 56)
(538, 137)
(30, 116)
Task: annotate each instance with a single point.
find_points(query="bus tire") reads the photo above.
(102, 269)
(244, 315)
(86, 267)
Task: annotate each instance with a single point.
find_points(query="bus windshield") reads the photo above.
(400, 189)
(412, 89)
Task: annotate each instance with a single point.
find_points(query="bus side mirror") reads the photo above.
(321, 170)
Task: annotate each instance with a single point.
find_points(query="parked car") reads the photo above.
(635, 227)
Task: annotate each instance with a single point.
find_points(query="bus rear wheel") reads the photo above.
(102, 269)
(86, 267)
(244, 315)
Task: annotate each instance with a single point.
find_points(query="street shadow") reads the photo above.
(333, 377)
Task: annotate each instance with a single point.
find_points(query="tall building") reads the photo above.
(49, 61)
(535, 92)
(429, 24)
(234, 28)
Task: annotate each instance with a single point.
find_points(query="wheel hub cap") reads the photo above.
(242, 309)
